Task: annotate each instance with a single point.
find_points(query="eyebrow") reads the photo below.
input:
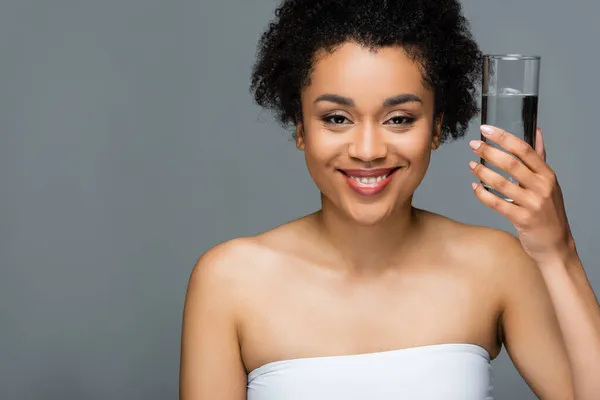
(401, 99)
(389, 102)
(334, 98)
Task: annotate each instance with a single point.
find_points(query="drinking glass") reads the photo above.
(510, 101)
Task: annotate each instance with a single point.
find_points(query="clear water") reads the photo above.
(515, 113)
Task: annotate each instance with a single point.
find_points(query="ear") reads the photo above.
(436, 137)
(299, 135)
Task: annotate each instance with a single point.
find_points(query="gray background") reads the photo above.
(129, 145)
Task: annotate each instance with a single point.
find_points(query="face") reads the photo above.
(367, 130)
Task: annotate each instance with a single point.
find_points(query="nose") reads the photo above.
(367, 144)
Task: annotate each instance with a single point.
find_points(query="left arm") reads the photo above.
(530, 331)
(570, 268)
(539, 216)
(578, 313)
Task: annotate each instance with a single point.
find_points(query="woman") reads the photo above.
(370, 297)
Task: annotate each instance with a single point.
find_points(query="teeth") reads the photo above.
(369, 180)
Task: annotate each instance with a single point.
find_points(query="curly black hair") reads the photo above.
(434, 33)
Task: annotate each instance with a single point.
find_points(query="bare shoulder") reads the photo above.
(489, 246)
(226, 268)
(214, 293)
(528, 326)
(498, 250)
(226, 260)
(223, 282)
(490, 253)
(239, 265)
(218, 268)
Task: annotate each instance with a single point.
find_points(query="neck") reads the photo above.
(368, 248)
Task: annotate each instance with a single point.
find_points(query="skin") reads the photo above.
(539, 217)
(260, 299)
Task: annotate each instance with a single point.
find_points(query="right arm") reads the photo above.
(211, 365)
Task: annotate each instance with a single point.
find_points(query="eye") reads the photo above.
(400, 120)
(336, 119)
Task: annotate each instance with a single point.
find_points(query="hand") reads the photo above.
(537, 211)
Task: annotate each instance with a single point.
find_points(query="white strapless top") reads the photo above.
(442, 371)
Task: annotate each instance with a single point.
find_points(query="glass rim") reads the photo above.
(512, 57)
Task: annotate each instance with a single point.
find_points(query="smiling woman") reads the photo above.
(367, 113)
(370, 297)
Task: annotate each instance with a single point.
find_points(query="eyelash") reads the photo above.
(329, 119)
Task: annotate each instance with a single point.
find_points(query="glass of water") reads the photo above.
(510, 100)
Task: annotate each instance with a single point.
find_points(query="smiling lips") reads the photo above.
(368, 182)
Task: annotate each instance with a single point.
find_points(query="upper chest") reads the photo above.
(333, 299)
(308, 312)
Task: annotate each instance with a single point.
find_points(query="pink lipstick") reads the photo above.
(368, 182)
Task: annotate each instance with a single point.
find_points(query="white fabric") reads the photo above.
(442, 371)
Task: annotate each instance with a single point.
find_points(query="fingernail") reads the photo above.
(487, 130)
(474, 185)
(472, 164)
(475, 144)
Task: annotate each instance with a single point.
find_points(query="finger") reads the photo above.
(540, 148)
(506, 162)
(514, 145)
(497, 182)
(490, 200)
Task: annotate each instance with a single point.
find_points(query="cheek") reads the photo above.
(415, 146)
(323, 148)
(321, 152)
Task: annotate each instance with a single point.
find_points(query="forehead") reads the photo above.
(354, 70)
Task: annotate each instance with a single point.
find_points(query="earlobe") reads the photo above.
(436, 141)
(299, 135)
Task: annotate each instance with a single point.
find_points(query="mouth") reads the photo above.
(368, 182)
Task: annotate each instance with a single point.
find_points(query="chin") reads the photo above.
(368, 214)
